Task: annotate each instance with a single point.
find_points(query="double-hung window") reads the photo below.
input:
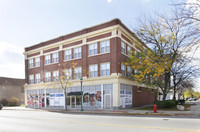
(68, 73)
(47, 59)
(123, 47)
(37, 61)
(31, 79)
(128, 50)
(105, 69)
(123, 69)
(93, 70)
(30, 63)
(55, 75)
(77, 53)
(129, 71)
(68, 54)
(77, 72)
(93, 49)
(55, 58)
(105, 46)
(48, 77)
(37, 78)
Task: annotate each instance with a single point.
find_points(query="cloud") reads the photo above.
(11, 60)
(109, 1)
(146, 0)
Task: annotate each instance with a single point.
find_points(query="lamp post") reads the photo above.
(81, 79)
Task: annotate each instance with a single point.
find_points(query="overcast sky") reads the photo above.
(27, 22)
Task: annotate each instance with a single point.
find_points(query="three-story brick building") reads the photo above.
(101, 49)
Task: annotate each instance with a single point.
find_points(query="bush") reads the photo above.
(181, 101)
(165, 104)
(13, 101)
(4, 102)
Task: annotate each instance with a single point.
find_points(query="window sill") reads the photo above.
(99, 54)
(72, 59)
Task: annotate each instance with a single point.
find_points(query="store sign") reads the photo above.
(57, 99)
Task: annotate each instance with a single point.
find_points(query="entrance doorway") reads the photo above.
(72, 101)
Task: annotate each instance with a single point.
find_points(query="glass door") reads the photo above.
(73, 101)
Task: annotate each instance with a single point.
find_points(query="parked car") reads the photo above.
(191, 99)
(1, 106)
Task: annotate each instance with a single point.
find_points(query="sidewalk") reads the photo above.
(193, 112)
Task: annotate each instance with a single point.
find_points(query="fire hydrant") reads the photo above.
(155, 108)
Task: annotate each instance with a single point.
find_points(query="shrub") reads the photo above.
(13, 101)
(181, 101)
(4, 102)
(165, 104)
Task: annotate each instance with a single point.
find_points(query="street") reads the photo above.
(42, 121)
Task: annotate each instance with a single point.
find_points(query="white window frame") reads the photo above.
(47, 59)
(129, 71)
(30, 63)
(123, 47)
(93, 49)
(128, 50)
(68, 54)
(105, 46)
(93, 69)
(77, 72)
(68, 73)
(37, 78)
(55, 57)
(77, 53)
(31, 79)
(55, 75)
(47, 76)
(105, 69)
(123, 70)
(37, 62)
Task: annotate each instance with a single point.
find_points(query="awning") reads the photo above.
(74, 93)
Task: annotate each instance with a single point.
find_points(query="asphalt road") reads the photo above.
(42, 121)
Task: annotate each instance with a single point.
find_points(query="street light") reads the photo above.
(81, 79)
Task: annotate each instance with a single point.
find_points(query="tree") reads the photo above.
(188, 93)
(184, 86)
(168, 38)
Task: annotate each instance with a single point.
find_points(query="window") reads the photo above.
(128, 50)
(93, 49)
(37, 62)
(77, 53)
(30, 63)
(31, 79)
(105, 46)
(47, 59)
(77, 72)
(105, 69)
(93, 70)
(55, 75)
(55, 58)
(123, 69)
(37, 78)
(135, 71)
(68, 54)
(68, 73)
(129, 71)
(123, 47)
(48, 77)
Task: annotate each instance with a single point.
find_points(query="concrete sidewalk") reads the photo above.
(193, 112)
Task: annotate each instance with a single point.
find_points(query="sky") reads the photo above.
(28, 22)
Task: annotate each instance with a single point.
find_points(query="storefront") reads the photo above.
(94, 97)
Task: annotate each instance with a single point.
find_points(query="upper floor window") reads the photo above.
(68, 73)
(93, 70)
(68, 54)
(77, 72)
(135, 71)
(30, 63)
(55, 58)
(123, 69)
(47, 59)
(48, 77)
(37, 61)
(105, 69)
(55, 75)
(129, 71)
(93, 49)
(31, 79)
(105, 46)
(37, 78)
(128, 50)
(77, 53)
(123, 47)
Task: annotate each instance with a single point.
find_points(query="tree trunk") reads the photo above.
(174, 95)
(167, 84)
(65, 105)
